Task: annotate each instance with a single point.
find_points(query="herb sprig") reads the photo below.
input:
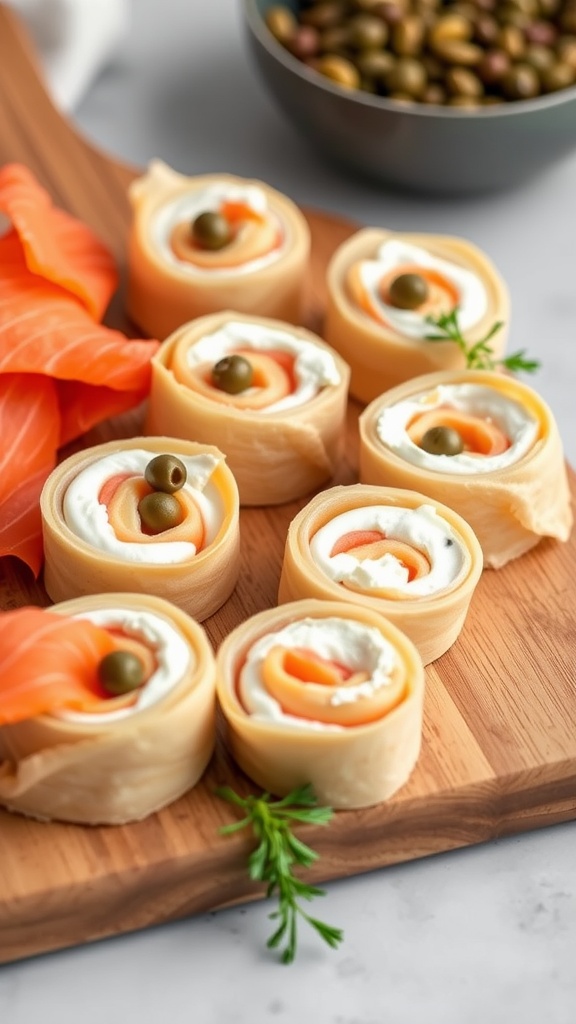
(277, 852)
(479, 355)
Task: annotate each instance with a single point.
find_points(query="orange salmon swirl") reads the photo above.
(253, 235)
(282, 433)
(323, 693)
(73, 752)
(508, 480)
(95, 540)
(390, 550)
(385, 344)
(258, 267)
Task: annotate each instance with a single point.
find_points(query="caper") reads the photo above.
(367, 32)
(520, 83)
(464, 83)
(281, 22)
(434, 93)
(493, 66)
(159, 511)
(408, 291)
(232, 374)
(211, 230)
(339, 70)
(558, 76)
(165, 473)
(120, 672)
(374, 64)
(323, 15)
(407, 76)
(442, 441)
(408, 36)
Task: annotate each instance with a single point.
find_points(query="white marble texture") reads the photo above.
(479, 936)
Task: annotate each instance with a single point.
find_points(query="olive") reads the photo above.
(165, 473)
(159, 511)
(120, 672)
(442, 441)
(232, 374)
(408, 291)
(211, 230)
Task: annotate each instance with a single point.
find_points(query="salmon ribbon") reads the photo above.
(273, 378)
(47, 662)
(307, 686)
(61, 371)
(253, 235)
(50, 662)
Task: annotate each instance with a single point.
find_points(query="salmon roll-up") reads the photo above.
(272, 397)
(392, 551)
(212, 242)
(107, 708)
(383, 287)
(482, 442)
(157, 515)
(327, 694)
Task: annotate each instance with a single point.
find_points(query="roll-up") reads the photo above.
(107, 708)
(322, 693)
(155, 515)
(212, 242)
(393, 551)
(383, 287)
(270, 396)
(482, 442)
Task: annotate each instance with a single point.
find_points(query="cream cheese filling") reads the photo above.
(472, 296)
(88, 519)
(360, 648)
(314, 367)
(520, 427)
(421, 528)
(188, 206)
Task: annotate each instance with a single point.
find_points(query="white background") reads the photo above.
(480, 936)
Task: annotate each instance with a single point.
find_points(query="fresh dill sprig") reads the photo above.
(277, 852)
(479, 355)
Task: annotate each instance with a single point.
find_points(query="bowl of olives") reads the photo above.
(434, 96)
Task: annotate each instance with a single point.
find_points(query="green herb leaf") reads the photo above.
(479, 355)
(278, 849)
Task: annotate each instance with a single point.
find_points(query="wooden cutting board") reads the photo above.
(499, 746)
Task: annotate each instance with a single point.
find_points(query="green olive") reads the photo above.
(211, 230)
(442, 441)
(408, 291)
(159, 511)
(120, 672)
(165, 473)
(232, 374)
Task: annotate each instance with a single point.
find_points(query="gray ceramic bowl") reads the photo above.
(428, 149)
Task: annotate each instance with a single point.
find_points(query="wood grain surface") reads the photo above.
(499, 745)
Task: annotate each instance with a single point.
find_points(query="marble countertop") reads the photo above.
(479, 936)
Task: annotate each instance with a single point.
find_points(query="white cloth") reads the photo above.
(74, 39)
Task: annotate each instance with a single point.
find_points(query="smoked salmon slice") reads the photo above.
(61, 371)
(56, 246)
(48, 661)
